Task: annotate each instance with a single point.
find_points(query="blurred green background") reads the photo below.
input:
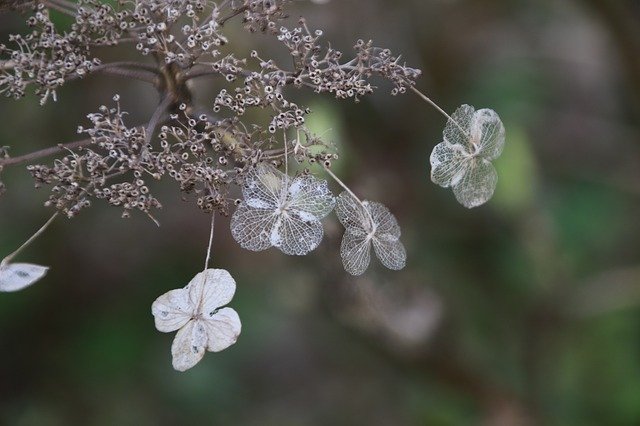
(522, 312)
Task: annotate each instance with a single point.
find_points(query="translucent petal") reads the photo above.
(172, 310)
(17, 276)
(223, 329)
(297, 236)
(390, 251)
(211, 289)
(189, 345)
(487, 123)
(265, 187)
(448, 163)
(252, 227)
(386, 222)
(355, 252)
(456, 131)
(351, 214)
(477, 185)
(310, 195)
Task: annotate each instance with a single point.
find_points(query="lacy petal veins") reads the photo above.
(17, 276)
(365, 224)
(281, 212)
(195, 312)
(472, 139)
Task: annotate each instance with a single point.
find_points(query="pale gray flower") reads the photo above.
(281, 212)
(462, 161)
(366, 224)
(195, 312)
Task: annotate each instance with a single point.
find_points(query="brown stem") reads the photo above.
(235, 13)
(44, 152)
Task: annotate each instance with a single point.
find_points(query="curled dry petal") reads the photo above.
(17, 276)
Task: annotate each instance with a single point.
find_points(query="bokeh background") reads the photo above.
(524, 311)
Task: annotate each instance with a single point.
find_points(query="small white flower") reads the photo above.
(195, 311)
(463, 160)
(281, 212)
(375, 225)
(17, 276)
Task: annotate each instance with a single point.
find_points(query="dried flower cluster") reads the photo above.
(210, 149)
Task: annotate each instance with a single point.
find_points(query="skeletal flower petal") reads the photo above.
(17, 276)
(252, 227)
(477, 185)
(350, 213)
(311, 195)
(265, 184)
(223, 329)
(189, 345)
(456, 131)
(447, 162)
(391, 252)
(298, 237)
(491, 133)
(355, 251)
(172, 310)
(386, 222)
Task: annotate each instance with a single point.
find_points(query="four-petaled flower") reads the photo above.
(365, 224)
(195, 311)
(281, 212)
(472, 139)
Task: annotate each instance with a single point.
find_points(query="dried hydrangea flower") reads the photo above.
(195, 311)
(281, 212)
(365, 224)
(472, 139)
(17, 276)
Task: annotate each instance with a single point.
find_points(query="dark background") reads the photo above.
(523, 311)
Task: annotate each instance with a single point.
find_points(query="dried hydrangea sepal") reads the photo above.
(18, 276)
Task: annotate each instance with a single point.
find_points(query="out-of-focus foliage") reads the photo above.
(522, 311)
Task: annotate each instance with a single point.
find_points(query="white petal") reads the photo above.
(223, 329)
(355, 252)
(310, 195)
(211, 289)
(391, 252)
(457, 130)
(265, 185)
(252, 227)
(189, 345)
(477, 185)
(297, 236)
(447, 162)
(386, 223)
(16, 276)
(350, 213)
(488, 124)
(172, 310)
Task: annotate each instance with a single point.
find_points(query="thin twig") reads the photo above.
(433, 104)
(206, 262)
(8, 258)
